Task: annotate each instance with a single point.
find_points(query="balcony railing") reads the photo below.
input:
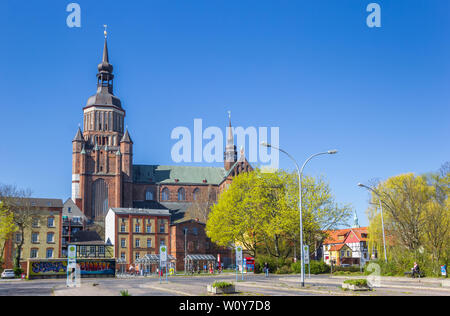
(72, 222)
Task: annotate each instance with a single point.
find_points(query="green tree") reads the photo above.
(235, 218)
(18, 203)
(260, 211)
(416, 219)
(7, 227)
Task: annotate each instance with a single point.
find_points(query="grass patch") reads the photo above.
(124, 293)
(357, 282)
(221, 285)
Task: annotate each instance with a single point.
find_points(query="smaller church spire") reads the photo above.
(230, 138)
(79, 136)
(355, 220)
(126, 137)
(230, 154)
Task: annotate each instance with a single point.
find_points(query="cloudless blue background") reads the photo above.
(313, 68)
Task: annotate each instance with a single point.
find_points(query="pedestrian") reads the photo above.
(266, 269)
(415, 270)
(131, 269)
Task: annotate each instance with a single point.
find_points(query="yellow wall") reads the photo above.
(42, 229)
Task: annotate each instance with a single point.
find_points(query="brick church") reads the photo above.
(103, 173)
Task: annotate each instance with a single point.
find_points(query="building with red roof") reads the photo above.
(346, 246)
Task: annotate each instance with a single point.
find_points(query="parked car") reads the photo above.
(8, 274)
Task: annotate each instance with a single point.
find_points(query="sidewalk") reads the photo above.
(394, 279)
(86, 289)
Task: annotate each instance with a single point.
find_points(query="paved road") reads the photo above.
(254, 285)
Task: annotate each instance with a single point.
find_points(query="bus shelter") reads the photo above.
(149, 264)
(198, 263)
(121, 266)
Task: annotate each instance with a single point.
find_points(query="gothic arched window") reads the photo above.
(99, 199)
(196, 194)
(181, 194)
(165, 194)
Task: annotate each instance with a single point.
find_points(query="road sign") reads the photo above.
(72, 254)
(73, 278)
(163, 255)
(238, 255)
(444, 270)
(306, 254)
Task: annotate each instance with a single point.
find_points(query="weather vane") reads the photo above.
(105, 32)
(229, 114)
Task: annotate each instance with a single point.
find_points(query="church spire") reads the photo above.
(230, 138)
(105, 82)
(230, 155)
(355, 220)
(105, 69)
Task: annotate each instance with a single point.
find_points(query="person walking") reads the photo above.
(266, 269)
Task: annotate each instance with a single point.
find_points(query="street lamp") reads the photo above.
(382, 221)
(300, 176)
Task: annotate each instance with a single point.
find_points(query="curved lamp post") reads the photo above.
(300, 176)
(382, 221)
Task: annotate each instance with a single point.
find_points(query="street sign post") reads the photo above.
(306, 259)
(238, 259)
(162, 261)
(72, 276)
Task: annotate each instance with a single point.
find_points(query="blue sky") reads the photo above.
(313, 68)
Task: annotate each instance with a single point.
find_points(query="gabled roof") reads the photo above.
(337, 247)
(178, 174)
(359, 231)
(74, 209)
(333, 235)
(84, 236)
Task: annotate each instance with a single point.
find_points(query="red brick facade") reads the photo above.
(195, 241)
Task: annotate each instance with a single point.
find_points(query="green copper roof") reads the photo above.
(184, 174)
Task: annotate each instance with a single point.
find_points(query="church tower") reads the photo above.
(102, 152)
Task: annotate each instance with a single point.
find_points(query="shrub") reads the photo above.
(272, 262)
(284, 270)
(18, 272)
(346, 269)
(317, 267)
(356, 282)
(221, 285)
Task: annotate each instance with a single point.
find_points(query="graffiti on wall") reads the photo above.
(97, 267)
(47, 267)
(59, 267)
